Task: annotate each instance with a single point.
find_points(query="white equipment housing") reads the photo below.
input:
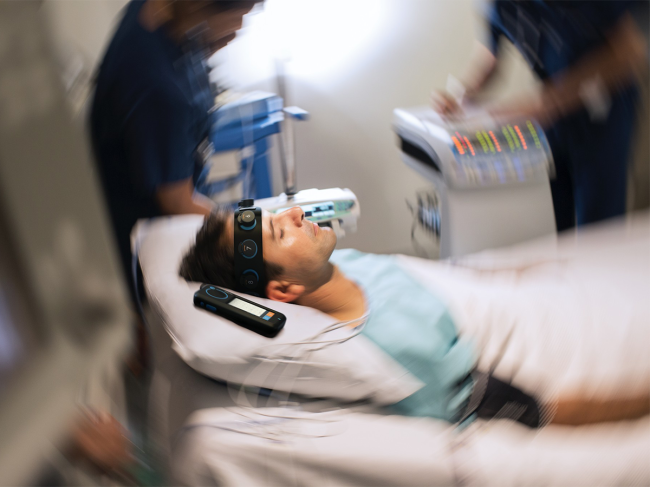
(491, 178)
(334, 207)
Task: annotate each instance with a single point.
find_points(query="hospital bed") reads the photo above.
(552, 316)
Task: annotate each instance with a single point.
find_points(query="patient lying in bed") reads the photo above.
(402, 318)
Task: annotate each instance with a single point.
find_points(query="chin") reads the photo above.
(331, 243)
(328, 234)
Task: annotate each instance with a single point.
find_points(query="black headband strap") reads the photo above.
(250, 276)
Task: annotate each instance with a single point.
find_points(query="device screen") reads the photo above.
(319, 209)
(248, 307)
(316, 211)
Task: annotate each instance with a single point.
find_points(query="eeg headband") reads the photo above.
(250, 276)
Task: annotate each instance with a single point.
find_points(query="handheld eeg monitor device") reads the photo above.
(260, 319)
(250, 276)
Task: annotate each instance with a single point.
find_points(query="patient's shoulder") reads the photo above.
(352, 255)
(368, 270)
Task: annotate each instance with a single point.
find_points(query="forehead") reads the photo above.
(266, 221)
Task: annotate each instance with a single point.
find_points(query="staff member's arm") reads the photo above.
(179, 198)
(161, 148)
(484, 66)
(606, 68)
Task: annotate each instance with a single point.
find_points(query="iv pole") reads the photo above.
(287, 141)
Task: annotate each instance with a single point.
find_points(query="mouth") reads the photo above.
(316, 228)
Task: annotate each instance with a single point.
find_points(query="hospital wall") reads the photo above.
(349, 63)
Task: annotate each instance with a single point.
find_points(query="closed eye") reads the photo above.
(281, 234)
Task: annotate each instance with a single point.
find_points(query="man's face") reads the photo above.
(299, 246)
(292, 242)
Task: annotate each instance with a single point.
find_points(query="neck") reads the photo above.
(160, 14)
(338, 297)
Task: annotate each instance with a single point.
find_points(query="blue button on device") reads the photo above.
(216, 293)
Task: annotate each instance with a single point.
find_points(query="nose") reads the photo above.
(296, 215)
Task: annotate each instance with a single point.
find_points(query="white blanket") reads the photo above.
(557, 318)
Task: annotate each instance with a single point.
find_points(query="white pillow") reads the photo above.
(353, 370)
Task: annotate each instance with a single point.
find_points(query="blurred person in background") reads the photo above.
(151, 109)
(587, 55)
(149, 123)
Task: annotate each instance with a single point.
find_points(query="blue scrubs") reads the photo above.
(590, 155)
(150, 113)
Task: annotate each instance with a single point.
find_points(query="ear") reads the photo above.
(284, 291)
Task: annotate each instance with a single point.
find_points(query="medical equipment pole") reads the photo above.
(287, 141)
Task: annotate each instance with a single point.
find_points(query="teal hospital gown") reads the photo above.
(412, 326)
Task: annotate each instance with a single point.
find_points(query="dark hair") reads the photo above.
(211, 258)
(230, 4)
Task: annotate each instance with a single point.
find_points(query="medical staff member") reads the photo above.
(586, 54)
(151, 108)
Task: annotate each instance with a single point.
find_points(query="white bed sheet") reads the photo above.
(353, 449)
(577, 314)
(576, 310)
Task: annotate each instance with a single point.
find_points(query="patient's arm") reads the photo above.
(577, 411)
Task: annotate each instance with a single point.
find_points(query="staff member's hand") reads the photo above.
(101, 440)
(445, 104)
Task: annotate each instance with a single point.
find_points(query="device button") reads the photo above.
(212, 308)
(248, 248)
(216, 293)
(249, 281)
(247, 216)
(267, 317)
